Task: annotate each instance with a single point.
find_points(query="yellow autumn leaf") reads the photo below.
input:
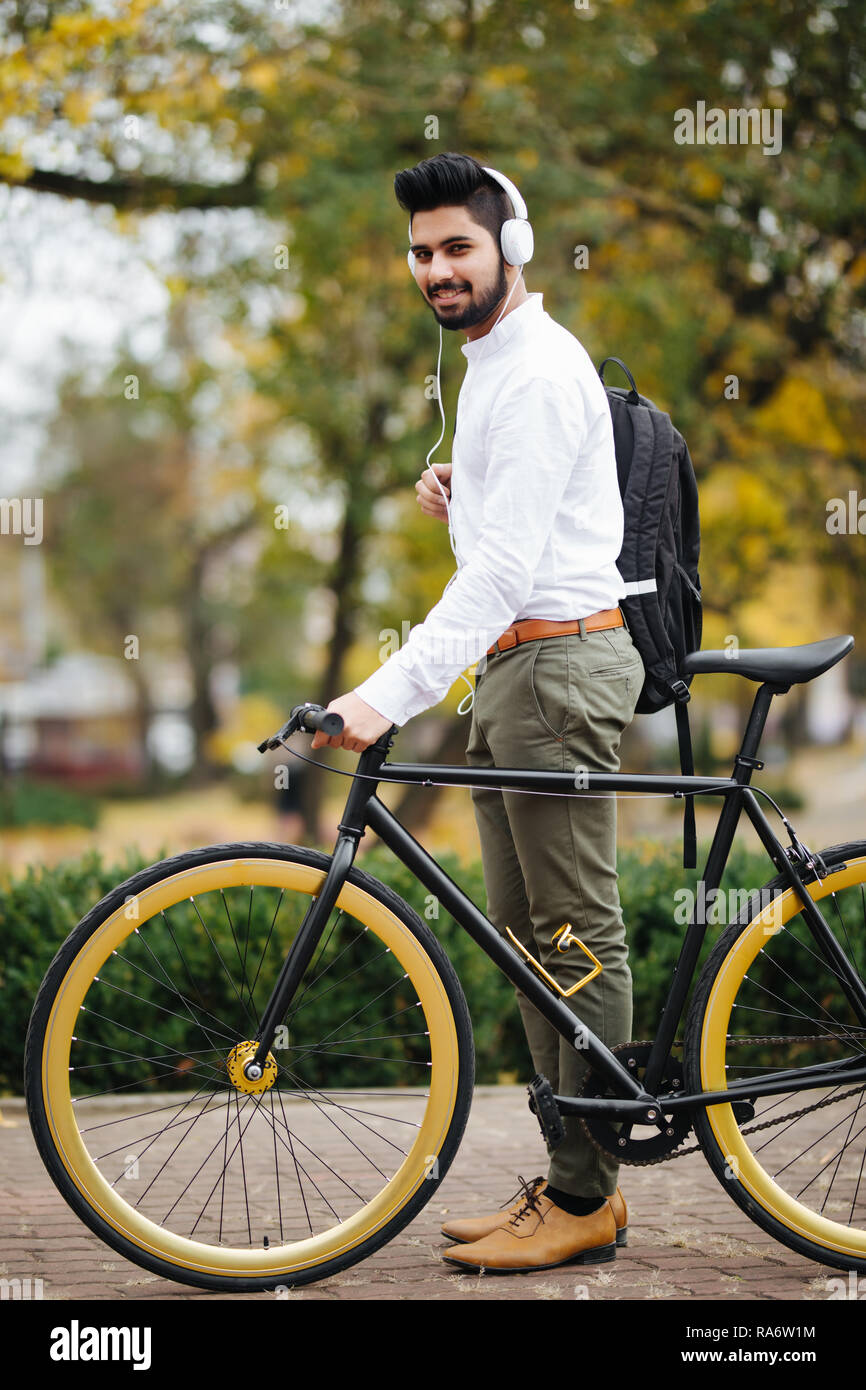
(798, 412)
(737, 494)
(509, 75)
(788, 603)
(251, 720)
(51, 63)
(77, 106)
(704, 180)
(294, 164)
(14, 167)
(857, 273)
(262, 76)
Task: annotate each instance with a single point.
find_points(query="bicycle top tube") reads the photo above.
(776, 668)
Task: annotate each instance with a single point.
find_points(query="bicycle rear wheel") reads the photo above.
(767, 1001)
(136, 1092)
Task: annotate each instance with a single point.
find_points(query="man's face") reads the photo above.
(459, 268)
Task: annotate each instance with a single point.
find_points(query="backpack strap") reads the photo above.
(687, 768)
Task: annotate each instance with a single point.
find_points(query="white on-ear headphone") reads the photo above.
(515, 236)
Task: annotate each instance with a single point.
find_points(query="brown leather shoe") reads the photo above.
(474, 1228)
(541, 1236)
(477, 1227)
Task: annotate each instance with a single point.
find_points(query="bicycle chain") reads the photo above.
(753, 1129)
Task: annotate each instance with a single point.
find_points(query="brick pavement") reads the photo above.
(687, 1240)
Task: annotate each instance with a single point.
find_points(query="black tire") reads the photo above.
(766, 967)
(405, 930)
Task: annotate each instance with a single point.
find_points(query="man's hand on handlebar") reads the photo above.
(362, 725)
(430, 499)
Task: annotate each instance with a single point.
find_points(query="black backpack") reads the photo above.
(659, 560)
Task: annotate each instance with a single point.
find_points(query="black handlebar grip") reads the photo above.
(310, 718)
(327, 721)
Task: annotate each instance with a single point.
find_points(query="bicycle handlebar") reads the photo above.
(310, 718)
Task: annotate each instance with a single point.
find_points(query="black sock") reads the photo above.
(575, 1206)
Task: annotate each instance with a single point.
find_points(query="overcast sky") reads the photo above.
(69, 287)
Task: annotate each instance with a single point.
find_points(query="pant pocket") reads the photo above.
(602, 707)
(549, 684)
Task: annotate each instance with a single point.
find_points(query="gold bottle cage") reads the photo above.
(567, 939)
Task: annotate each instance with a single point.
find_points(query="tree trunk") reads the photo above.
(200, 655)
(344, 588)
(143, 717)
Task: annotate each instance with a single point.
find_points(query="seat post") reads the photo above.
(755, 728)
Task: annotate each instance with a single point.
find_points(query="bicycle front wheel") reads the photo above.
(135, 1084)
(769, 1001)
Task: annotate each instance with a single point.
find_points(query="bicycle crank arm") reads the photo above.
(646, 1111)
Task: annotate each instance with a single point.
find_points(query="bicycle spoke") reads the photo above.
(276, 1163)
(242, 960)
(842, 1150)
(228, 973)
(363, 1008)
(336, 984)
(172, 988)
(268, 940)
(310, 1096)
(227, 1095)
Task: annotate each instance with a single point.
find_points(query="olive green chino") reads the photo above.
(559, 703)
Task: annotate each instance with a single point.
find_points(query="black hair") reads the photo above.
(454, 180)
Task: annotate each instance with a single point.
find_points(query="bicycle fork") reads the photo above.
(309, 935)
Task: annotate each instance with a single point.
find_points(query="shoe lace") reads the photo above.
(530, 1199)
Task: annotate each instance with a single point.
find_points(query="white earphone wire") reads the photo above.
(471, 695)
(442, 411)
(438, 442)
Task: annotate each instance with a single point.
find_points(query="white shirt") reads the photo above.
(535, 507)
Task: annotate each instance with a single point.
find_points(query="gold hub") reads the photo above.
(237, 1060)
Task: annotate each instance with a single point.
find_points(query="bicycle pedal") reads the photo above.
(542, 1103)
(743, 1110)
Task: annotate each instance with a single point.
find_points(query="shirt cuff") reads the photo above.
(391, 693)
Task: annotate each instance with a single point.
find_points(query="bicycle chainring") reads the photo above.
(650, 1144)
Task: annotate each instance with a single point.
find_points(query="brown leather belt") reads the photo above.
(530, 629)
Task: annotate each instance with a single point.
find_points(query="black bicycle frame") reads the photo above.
(636, 1103)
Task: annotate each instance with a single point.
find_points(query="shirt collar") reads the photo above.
(512, 323)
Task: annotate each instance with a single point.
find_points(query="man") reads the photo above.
(538, 525)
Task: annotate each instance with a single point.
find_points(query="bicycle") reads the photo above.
(324, 1050)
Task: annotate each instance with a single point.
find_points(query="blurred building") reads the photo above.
(74, 719)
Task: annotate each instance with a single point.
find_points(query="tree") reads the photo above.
(709, 265)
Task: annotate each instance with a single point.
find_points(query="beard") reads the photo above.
(478, 308)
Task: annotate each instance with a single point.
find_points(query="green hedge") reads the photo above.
(28, 802)
(649, 876)
(39, 909)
